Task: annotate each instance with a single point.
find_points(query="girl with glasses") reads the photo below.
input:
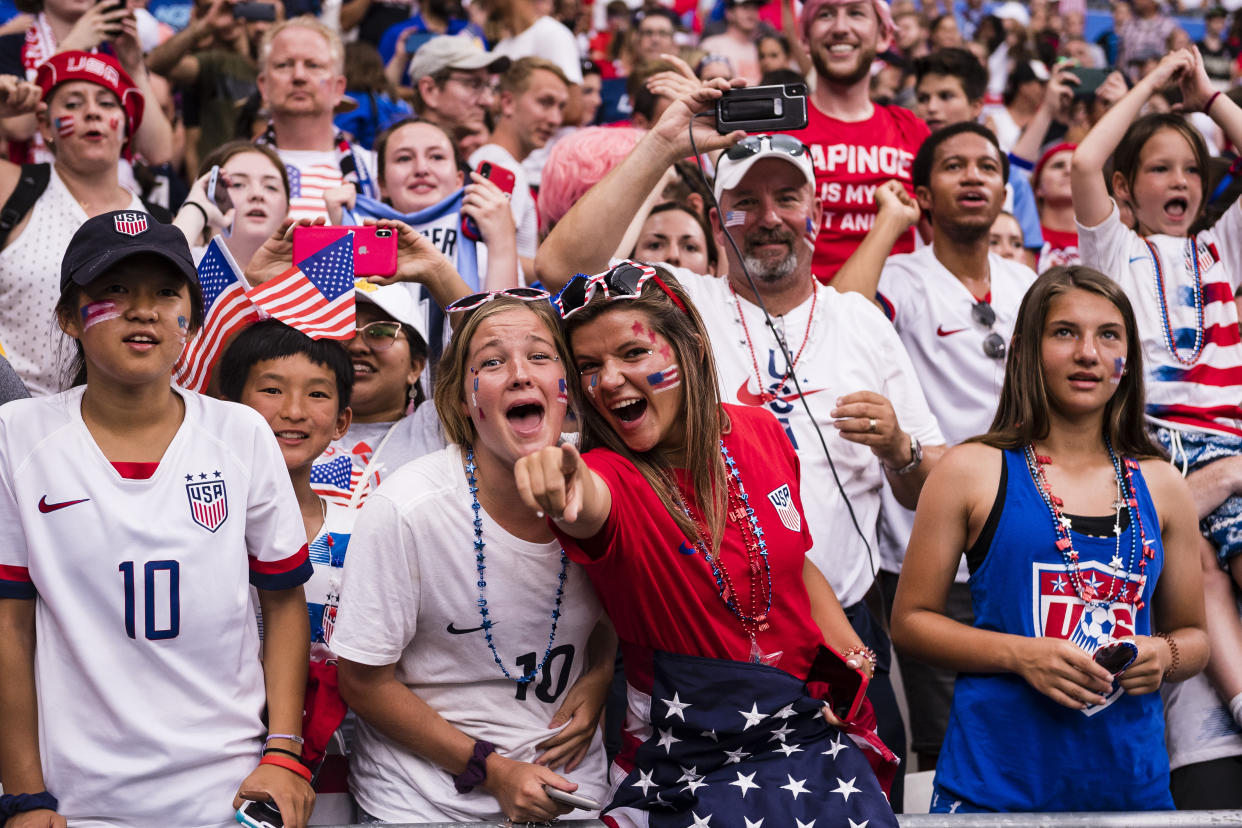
(468, 641)
(1085, 587)
(687, 515)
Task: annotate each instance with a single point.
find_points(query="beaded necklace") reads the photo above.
(768, 396)
(759, 569)
(480, 564)
(1165, 325)
(1121, 588)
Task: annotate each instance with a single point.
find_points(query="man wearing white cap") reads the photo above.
(452, 79)
(866, 408)
(855, 145)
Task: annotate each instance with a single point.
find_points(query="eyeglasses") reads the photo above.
(753, 145)
(475, 84)
(993, 343)
(625, 281)
(474, 300)
(379, 336)
(663, 34)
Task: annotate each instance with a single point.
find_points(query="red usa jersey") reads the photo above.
(852, 159)
(147, 662)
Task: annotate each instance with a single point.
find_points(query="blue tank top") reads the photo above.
(1011, 748)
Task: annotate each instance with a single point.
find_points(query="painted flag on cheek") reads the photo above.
(670, 377)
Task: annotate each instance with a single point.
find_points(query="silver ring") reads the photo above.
(871, 425)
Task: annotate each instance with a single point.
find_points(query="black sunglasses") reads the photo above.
(993, 343)
(753, 145)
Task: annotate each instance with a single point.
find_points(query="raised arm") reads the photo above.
(585, 239)
(1199, 94)
(1091, 200)
(555, 481)
(898, 212)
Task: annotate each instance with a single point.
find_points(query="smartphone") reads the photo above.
(1089, 80)
(1117, 656)
(259, 815)
(110, 5)
(502, 178)
(571, 799)
(762, 108)
(218, 191)
(375, 248)
(845, 687)
(255, 12)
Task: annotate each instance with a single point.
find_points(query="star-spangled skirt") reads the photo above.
(735, 743)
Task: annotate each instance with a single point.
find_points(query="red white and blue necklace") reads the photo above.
(1166, 326)
(480, 564)
(1123, 586)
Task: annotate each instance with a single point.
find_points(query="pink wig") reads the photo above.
(577, 162)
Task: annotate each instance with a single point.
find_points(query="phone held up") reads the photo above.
(762, 109)
(255, 814)
(502, 178)
(375, 248)
(255, 12)
(218, 191)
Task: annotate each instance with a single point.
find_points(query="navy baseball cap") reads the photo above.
(106, 239)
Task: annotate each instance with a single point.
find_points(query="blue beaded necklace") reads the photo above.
(1165, 325)
(480, 564)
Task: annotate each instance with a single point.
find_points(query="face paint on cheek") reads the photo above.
(97, 312)
(735, 218)
(183, 328)
(114, 123)
(1119, 370)
(474, 395)
(670, 377)
(562, 395)
(65, 125)
(591, 385)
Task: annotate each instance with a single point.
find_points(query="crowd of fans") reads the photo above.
(693, 534)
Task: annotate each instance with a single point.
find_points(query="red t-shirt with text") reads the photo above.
(852, 159)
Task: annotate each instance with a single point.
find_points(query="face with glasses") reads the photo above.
(300, 76)
(655, 37)
(461, 100)
(384, 368)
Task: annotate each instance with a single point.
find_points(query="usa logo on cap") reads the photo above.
(131, 224)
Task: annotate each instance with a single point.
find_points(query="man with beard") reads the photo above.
(954, 306)
(855, 145)
(302, 79)
(851, 392)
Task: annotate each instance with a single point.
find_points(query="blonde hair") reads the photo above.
(336, 47)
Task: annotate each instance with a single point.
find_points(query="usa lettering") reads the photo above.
(94, 66)
(855, 160)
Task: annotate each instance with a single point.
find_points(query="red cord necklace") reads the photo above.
(768, 396)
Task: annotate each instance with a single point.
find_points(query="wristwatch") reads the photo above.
(916, 457)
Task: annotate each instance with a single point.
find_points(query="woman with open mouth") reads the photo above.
(687, 515)
(472, 649)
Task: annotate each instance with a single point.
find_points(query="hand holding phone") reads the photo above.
(502, 178)
(218, 191)
(375, 248)
(581, 802)
(776, 108)
(1116, 656)
(256, 814)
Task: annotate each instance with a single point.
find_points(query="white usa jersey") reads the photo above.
(147, 663)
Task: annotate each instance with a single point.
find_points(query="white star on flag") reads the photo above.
(802, 824)
(862, 824)
(688, 773)
(750, 824)
(837, 747)
(779, 734)
(754, 717)
(675, 706)
(667, 740)
(694, 784)
(745, 782)
(785, 712)
(644, 781)
(789, 749)
(709, 734)
(797, 786)
(845, 788)
(700, 822)
(736, 756)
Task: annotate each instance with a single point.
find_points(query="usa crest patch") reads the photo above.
(782, 499)
(130, 224)
(209, 503)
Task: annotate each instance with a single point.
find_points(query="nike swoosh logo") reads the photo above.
(940, 331)
(747, 397)
(46, 507)
(454, 631)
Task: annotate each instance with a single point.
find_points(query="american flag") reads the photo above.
(664, 380)
(228, 311)
(335, 479)
(315, 296)
(740, 744)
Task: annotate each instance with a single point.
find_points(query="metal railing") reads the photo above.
(1142, 819)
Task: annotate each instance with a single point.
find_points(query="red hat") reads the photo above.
(94, 68)
(1043, 159)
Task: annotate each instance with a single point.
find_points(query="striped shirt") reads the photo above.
(1203, 395)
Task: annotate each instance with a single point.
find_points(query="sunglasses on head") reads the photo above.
(625, 281)
(475, 300)
(993, 343)
(379, 336)
(753, 145)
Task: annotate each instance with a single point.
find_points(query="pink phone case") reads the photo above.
(375, 248)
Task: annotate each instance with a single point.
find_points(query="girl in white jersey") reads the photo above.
(133, 516)
(1182, 285)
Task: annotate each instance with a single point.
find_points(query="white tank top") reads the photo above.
(30, 287)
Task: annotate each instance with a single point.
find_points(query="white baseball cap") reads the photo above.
(395, 300)
(454, 52)
(736, 161)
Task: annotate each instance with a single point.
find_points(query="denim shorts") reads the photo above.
(1192, 450)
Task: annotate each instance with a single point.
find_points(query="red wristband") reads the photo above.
(286, 763)
(1211, 101)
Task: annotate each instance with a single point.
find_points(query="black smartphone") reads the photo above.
(1089, 80)
(218, 191)
(1117, 656)
(255, 12)
(776, 108)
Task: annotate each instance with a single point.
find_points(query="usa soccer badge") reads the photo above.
(209, 503)
(782, 499)
(130, 224)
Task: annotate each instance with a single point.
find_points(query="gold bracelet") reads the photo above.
(1176, 660)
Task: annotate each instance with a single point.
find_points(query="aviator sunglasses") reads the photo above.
(993, 343)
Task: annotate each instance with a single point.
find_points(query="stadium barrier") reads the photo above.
(1144, 819)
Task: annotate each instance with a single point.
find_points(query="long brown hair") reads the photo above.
(1022, 414)
(703, 417)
